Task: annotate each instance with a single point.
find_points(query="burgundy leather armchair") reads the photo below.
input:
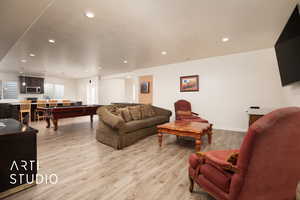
(268, 163)
(183, 111)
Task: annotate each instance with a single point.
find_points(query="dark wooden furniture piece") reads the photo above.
(253, 118)
(17, 144)
(187, 129)
(5, 111)
(257, 113)
(54, 114)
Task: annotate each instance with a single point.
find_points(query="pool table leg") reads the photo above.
(55, 122)
(48, 122)
(92, 120)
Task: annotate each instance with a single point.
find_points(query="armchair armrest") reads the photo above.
(195, 113)
(110, 119)
(219, 159)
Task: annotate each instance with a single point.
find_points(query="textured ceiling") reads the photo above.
(136, 30)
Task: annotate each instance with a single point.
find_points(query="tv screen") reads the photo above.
(288, 50)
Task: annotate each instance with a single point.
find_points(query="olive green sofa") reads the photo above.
(113, 131)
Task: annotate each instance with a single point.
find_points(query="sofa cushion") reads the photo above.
(147, 111)
(219, 178)
(126, 114)
(135, 112)
(114, 109)
(140, 124)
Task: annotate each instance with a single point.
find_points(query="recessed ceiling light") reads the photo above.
(21, 72)
(225, 39)
(86, 71)
(51, 41)
(128, 77)
(89, 14)
(23, 61)
(125, 61)
(32, 55)
(99, 68)
(164, 53)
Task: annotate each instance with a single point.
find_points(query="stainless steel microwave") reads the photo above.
(33, 90)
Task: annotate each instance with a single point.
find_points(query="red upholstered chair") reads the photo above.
(183, 111)
(268, 163)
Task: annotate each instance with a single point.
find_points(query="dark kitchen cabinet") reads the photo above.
(31, 82)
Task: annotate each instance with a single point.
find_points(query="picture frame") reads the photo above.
(189, 83)
(145, 87)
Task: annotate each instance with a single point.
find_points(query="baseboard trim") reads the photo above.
(232, 129)
(16, 189)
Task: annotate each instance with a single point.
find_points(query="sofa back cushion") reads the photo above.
(135, 112)
(125, 114)
(147, 111)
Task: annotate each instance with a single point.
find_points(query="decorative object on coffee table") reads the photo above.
(188, 129)
(145, 87)
(189, 83)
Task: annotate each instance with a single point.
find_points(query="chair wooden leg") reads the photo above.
(191, 184)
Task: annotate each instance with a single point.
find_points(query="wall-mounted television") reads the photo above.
(288, 50)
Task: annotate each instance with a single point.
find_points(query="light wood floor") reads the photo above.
(90, 170)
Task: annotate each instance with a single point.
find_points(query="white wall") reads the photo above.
(112, 91)
(81, 87)
(69, 91)
(228, 86)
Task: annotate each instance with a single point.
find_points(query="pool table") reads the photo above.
(56, 113)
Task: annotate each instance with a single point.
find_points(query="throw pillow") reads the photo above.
(181, 112)
(114, 110)
(135, 112)
(233, 158)
(126, 114)
(147, 111)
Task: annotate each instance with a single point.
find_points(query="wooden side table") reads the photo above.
(188, 129)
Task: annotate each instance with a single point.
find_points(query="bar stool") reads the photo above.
(52, 103)
(38, 113)
(66, 103)
(25, 107)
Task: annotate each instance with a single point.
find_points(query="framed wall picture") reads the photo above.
(189, 83)
(145, 87)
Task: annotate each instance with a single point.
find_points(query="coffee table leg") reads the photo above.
(160, 139)
(198, 143)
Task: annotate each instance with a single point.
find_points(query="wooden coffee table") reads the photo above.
(188, 129)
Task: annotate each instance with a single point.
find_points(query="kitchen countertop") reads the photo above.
(17, 102)
(58, 102)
